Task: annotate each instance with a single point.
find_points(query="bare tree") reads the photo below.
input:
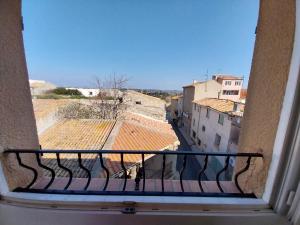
(111, 100)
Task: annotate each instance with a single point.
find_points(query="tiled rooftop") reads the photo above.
(135, 137)
(228, 77)
(75, 134)
(150, 123)
(221, 105)
(78, 134)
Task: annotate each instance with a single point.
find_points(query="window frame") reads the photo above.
(285, 122)
(198, 140)
(194, 134)
(237, 83)
(215, 141)
(221, 121)
(207, 112)
(286, 153)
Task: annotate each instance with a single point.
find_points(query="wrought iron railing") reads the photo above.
(141, 173)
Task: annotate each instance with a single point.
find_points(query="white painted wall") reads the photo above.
(212, 127)
(231, 87)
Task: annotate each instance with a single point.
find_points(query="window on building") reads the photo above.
(235, 107)
(194, 134)
(237, 83)
(198, 141)
(230, 92)
(91, 93)
(221, 119)
(207, 113)
(227, 83)
(203, 128)
(193, 122)
(217, 140)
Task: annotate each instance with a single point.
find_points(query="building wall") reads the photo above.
(212, 127)
(207, 137)
(173, 107)
(209, 89)
(150, 106)
(17, 123)
(180, 105)
(268, 78)
(188, 97)
(231, 87)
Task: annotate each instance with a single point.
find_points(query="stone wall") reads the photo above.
(149, 106)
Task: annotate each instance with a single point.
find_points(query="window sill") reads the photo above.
(165, 202)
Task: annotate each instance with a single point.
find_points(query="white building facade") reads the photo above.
(215, 127)
(231, 86)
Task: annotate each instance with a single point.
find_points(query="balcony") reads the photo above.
(47, 180)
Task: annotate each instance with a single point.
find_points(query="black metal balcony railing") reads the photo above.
(141, 176)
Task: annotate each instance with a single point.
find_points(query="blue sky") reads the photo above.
(161, 44)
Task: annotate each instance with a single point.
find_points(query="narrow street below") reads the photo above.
(193, 167)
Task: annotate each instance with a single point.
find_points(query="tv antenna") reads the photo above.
(206, 79)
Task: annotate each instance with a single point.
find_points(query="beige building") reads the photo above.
(197, 91)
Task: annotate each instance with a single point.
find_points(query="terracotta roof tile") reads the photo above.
(74, 134)
(150, 123)
(135, 137)
(221, 105)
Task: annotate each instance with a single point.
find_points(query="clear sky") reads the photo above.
(161, 44)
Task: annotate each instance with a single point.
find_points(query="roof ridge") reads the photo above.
(148, 127)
